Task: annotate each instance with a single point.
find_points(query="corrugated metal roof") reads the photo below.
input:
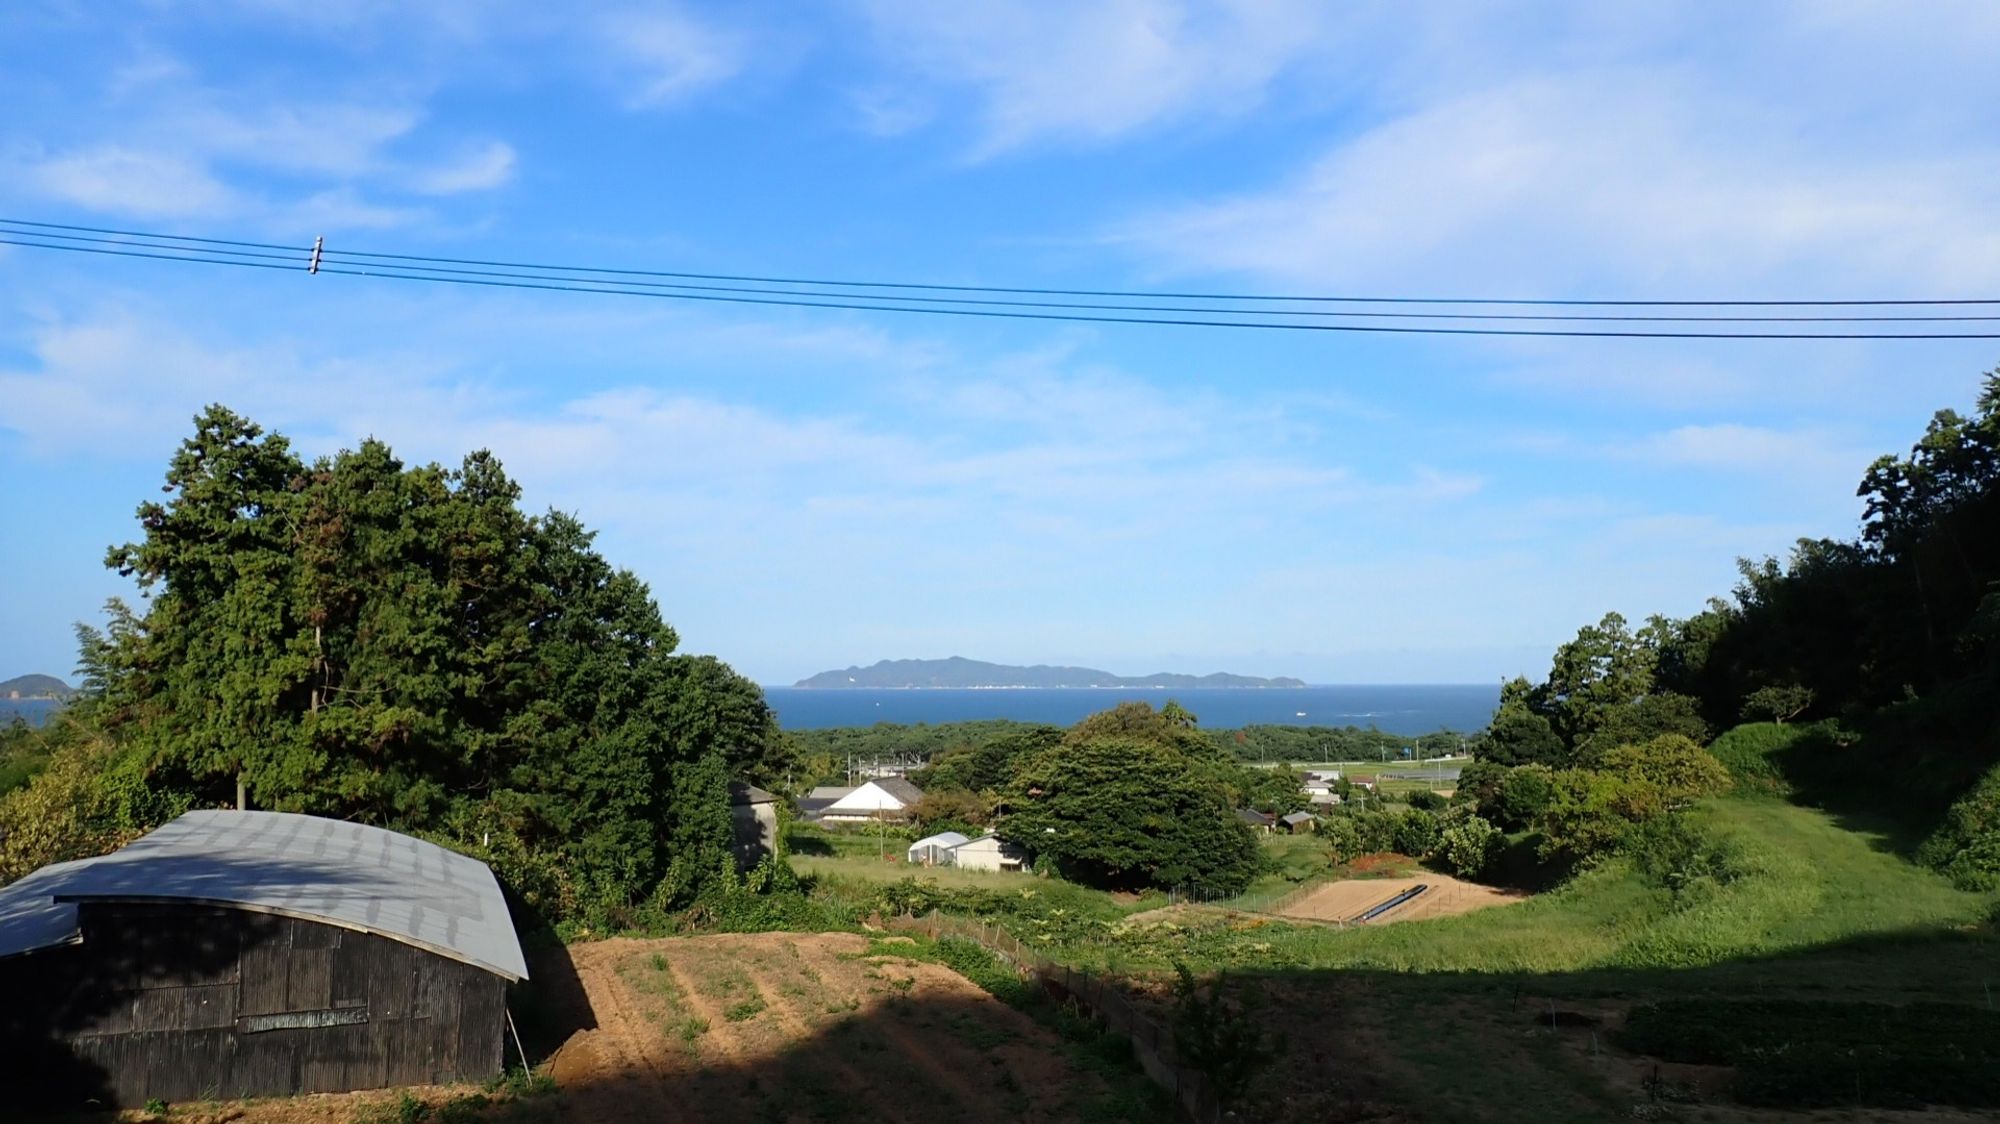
(351, 875)
(31, 918)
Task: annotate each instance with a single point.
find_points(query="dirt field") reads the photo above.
(789, 1027)
(1344, 901)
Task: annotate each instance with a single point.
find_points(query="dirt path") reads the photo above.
(1445, 896)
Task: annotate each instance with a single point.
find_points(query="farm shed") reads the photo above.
(988, 852)
(233, 954)
(1299, 821)
(888, 799)
(1262, 821)
(935, 850)
(753, 821)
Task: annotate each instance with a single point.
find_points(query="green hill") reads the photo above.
(961, 673)
(35, 687)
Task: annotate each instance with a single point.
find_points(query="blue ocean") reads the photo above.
(34, 711)
(1398, 709)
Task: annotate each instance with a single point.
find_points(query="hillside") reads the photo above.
(961, 673)
(35, 687)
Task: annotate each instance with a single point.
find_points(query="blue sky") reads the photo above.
(808, 489)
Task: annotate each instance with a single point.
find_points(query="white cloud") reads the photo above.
(482, 169)
(670, 54)
(1094, 71)
(1622, 181)
(128, 181)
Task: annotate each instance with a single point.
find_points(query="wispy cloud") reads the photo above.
(669, 54)
(1093, 72)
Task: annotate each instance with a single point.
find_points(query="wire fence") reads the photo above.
(1096, 997)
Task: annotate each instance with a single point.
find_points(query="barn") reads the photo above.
(236, 954)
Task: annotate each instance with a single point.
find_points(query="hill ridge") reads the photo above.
(958, 672)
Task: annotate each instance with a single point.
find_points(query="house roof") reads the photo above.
(1252, 815)
(741, 793)
(1297, 818)
(900, 788)
(828, 792)
(945, 839)
(350, 875)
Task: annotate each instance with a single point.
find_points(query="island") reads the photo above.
(959, 673)
(35, 687)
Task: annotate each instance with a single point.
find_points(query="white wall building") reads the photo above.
(888, 799)
(988, 853)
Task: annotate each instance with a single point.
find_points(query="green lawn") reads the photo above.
(869, 868)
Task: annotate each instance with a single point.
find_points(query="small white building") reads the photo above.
(888, 799)
(988, 852)
(935, 850)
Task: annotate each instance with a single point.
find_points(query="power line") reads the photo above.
(1021, 291)
(211, 251)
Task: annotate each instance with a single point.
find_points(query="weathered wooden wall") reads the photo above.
(190, 1002)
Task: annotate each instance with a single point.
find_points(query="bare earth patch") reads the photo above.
(799, 1027)
(1349, 899)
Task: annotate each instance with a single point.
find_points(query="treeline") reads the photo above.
(402, 646)
(1864, 657)
(823, 755)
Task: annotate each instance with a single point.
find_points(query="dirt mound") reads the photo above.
(1443, 897)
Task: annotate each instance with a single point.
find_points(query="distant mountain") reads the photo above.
(959, 672)
(35, 687)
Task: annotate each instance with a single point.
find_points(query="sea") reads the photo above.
(1397, 709)
(33, 711)
(1418, 708)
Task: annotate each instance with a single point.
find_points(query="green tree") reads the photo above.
(403, 646)
(1118, 811)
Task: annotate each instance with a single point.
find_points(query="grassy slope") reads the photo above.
(1439, 1014)
(1808, 882)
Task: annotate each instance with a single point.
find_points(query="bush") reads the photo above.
(1470, 846)
(1966, 845)
(1673, 854)
(1427, 801)
(1525, 793)
(1749, 751)
(1417, 833)
(1679, 768)
(1225, 1041)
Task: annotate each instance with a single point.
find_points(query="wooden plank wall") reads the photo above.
(171, 1001)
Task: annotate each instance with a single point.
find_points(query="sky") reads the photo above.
(809, 489)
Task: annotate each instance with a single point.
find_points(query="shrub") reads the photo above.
(1679, 768)
(1417, 833)
(1470, 846)
(1672, 853)
(1525, 793)
(1427, 801)
(1966, 845)
(1749, 751)
(1224, 1040)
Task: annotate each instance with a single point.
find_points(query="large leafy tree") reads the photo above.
(401, 645)
(1121, 812)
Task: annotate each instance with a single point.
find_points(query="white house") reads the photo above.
(890, 798)
(988, 853)
(935, 850)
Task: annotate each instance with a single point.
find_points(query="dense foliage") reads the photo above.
(1847, 657)
(1134, 797)
(402, 646)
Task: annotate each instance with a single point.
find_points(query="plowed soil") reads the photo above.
(1345, 901)
(791, 1027)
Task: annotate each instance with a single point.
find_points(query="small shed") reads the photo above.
(240, 954)
(1262, 821)
(890, 798)
(753, 821)
(988, 852)
(935, 850)
(1297, 822)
